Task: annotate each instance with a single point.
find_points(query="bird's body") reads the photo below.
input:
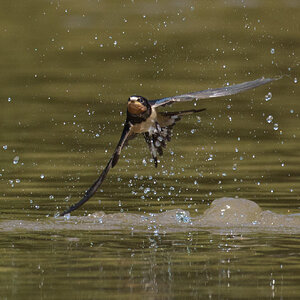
(145, 126)
(156, 127)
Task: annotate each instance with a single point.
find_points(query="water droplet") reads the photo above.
(295, 80)
(147, 190)
(272, 51)
(4, 147)
(275, 126)
(67, 216)
(51, 197)
(16, 160)
(269, 119)
(210, 157)
(9, 99)
(42, 176)
(182, 217)
(268, 97)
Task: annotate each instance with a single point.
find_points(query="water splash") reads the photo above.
(16, 160)
(269, 119)
(224, 215)
(268, 97)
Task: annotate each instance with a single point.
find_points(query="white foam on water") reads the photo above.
(225, 215)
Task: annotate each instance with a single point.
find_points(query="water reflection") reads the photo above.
(133, 263)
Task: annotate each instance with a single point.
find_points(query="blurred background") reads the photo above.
(69, 67)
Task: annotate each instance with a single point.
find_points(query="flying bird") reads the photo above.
(156, 127)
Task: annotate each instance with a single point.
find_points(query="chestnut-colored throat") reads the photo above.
(136, 108)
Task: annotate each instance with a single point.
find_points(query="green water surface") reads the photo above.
(67, 70)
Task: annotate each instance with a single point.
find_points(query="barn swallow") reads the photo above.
(156, 127)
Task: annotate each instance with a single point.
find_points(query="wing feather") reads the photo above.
(213, 93)
(111, 163)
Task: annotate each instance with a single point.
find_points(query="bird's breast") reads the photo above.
(146, 125)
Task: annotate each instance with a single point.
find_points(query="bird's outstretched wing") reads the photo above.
(161, 132)
(212, 93)
(111, 163)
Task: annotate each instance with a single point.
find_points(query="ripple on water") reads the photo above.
(224, 215)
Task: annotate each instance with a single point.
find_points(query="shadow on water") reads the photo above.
(225, 215)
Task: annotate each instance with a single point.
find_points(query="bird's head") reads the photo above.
(137, 105)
